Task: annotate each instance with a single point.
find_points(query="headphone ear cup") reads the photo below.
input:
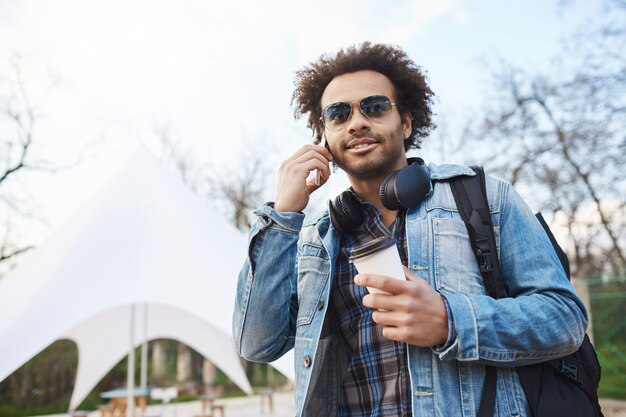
(405, 188)
(388, 193)
(345, 213)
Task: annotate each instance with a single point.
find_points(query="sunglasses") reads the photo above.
(335, 115)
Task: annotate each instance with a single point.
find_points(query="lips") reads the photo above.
(360, 143)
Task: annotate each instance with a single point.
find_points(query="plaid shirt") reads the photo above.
(377, 381)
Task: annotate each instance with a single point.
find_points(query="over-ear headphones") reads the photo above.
(345, 212)
(405, 188)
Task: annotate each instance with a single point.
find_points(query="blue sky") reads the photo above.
(105, 75)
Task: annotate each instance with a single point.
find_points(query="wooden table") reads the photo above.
(266, 395)
(209, 407)
(118, 401)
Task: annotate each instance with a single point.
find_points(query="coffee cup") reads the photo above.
(380, 257)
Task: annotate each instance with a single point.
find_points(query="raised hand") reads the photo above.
(293, 191)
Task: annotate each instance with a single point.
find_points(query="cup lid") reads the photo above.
(371, 247)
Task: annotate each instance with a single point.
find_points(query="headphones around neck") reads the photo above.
(405, 188)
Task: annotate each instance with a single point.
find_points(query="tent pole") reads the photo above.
(130, 386)
(144, 350)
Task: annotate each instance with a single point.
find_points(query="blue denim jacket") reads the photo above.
(284, 289)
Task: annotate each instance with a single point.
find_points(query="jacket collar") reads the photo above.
(447, 171)
(437, 173)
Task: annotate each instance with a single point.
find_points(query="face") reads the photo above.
(366, 147)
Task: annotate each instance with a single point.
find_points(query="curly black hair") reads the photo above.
(411, 89)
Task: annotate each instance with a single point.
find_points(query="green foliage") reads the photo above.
(43, 385)
(56, 407)
(608, 307)
(114, 379)
(262, 376)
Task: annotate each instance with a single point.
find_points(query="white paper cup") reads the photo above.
(380, 257)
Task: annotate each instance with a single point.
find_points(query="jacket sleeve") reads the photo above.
(266, 301)
(541, 319)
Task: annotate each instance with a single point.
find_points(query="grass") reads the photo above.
(7, 410)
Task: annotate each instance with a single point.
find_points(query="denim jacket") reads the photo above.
(284, 290)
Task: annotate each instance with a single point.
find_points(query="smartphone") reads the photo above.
(318, 174)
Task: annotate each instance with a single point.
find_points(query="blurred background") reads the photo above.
(533, 90)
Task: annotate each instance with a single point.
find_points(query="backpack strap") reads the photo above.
(580, 368)
(559, 251)
(470, 195)
(488, 400)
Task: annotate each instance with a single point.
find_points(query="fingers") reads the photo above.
(399, 335)
(412, 312)
(312, 185)
(381, 282)
(390, 319)
(323, 165)
(311, 149)
(310, 158)
(293, 189)
(412, 328)
(303, 162)
(386, 302)
(401, 327)
(409, 275)
(302, 169)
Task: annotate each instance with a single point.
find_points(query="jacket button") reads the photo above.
(307, 362)
(320, 304)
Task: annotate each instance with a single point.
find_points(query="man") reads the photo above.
(422, 348)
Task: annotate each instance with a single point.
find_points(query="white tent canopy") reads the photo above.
(147, 241)
(103, 344)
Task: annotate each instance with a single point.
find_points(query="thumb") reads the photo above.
(410, 276)
(311, 185)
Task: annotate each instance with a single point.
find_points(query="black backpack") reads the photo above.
(566, 386)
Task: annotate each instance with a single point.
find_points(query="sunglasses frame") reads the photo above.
(351, 104)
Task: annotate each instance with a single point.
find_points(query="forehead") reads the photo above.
(354, 86)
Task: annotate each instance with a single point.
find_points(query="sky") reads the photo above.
(105, 77)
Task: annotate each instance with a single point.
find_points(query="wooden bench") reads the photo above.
(266, 396)
(209, 407)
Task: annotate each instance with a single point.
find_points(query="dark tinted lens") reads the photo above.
(375, 106)
(336, 114)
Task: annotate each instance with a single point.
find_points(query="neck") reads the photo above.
(368, 189)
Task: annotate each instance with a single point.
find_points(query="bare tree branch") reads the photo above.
(562, 137)
(24, 120)
(17, 126)
(5, 256)
(232, 190)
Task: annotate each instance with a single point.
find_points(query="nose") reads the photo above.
(358, 122)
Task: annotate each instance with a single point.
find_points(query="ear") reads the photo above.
(407, 124)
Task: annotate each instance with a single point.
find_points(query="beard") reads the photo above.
(370, 166)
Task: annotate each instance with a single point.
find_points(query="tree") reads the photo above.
(240, 190)
(234, 191)
(561, 136)
(17, 122)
